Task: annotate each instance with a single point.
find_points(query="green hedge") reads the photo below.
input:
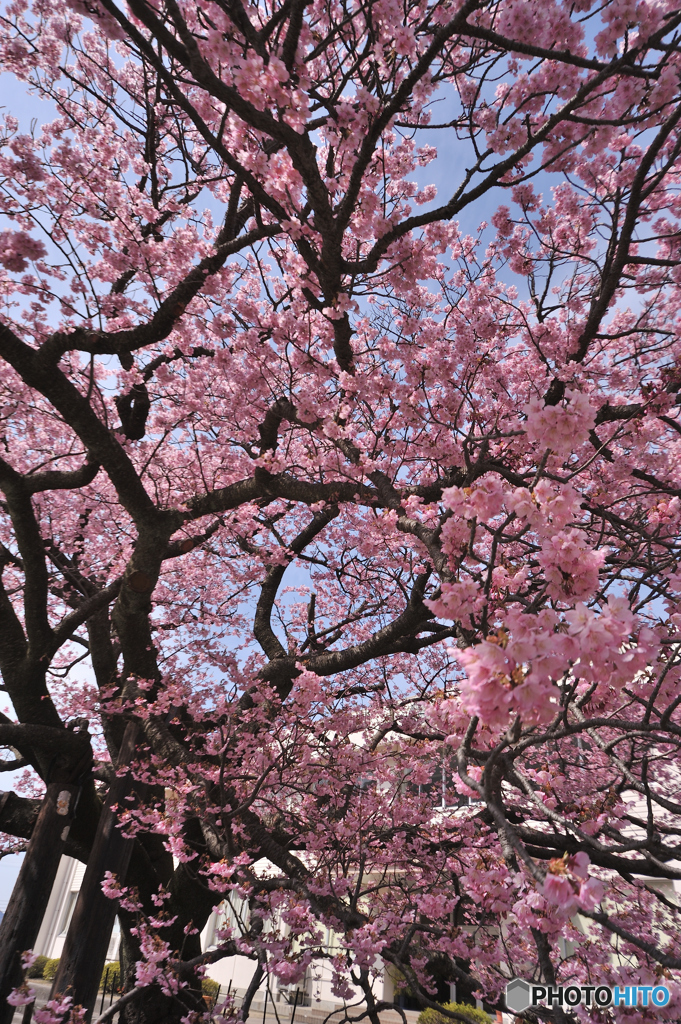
(37, 967)
(50, 969)
(430, 1016)
(112, 977)
(210, 989)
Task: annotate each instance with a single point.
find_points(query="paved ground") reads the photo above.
(42, 990)
(303, 1014)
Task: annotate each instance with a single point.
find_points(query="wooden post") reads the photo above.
(104, 988)
(87, 940)
(20, 926)
(293, 1011)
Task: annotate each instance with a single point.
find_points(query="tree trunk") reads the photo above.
(20, 925)
(151, 1006)
(87, 940)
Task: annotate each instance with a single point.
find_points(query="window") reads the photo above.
(233, 913)
(67, 912)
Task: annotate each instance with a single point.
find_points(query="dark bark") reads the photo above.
(151, 1006)
(133, 409)
(87, 940)
(20, 925)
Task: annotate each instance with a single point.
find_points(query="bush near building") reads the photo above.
(430, 1016)
(210, 990)
(37, 967)
(111, 975)
(50, 968)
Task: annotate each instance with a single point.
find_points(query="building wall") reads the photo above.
(232, 973)
(60, 907)
(235, 973)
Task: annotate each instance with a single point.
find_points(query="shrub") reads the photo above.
(37, 967)
(210, 989)
(431, 1016)
(50, 969)
(112, 977)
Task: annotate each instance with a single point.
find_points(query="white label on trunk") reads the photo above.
(63, 802)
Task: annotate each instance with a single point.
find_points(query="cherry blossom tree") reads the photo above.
(340, 460)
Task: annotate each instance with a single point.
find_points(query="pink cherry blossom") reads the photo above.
(340, 463)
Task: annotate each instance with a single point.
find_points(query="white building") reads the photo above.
(52, 934)
(233, 972)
